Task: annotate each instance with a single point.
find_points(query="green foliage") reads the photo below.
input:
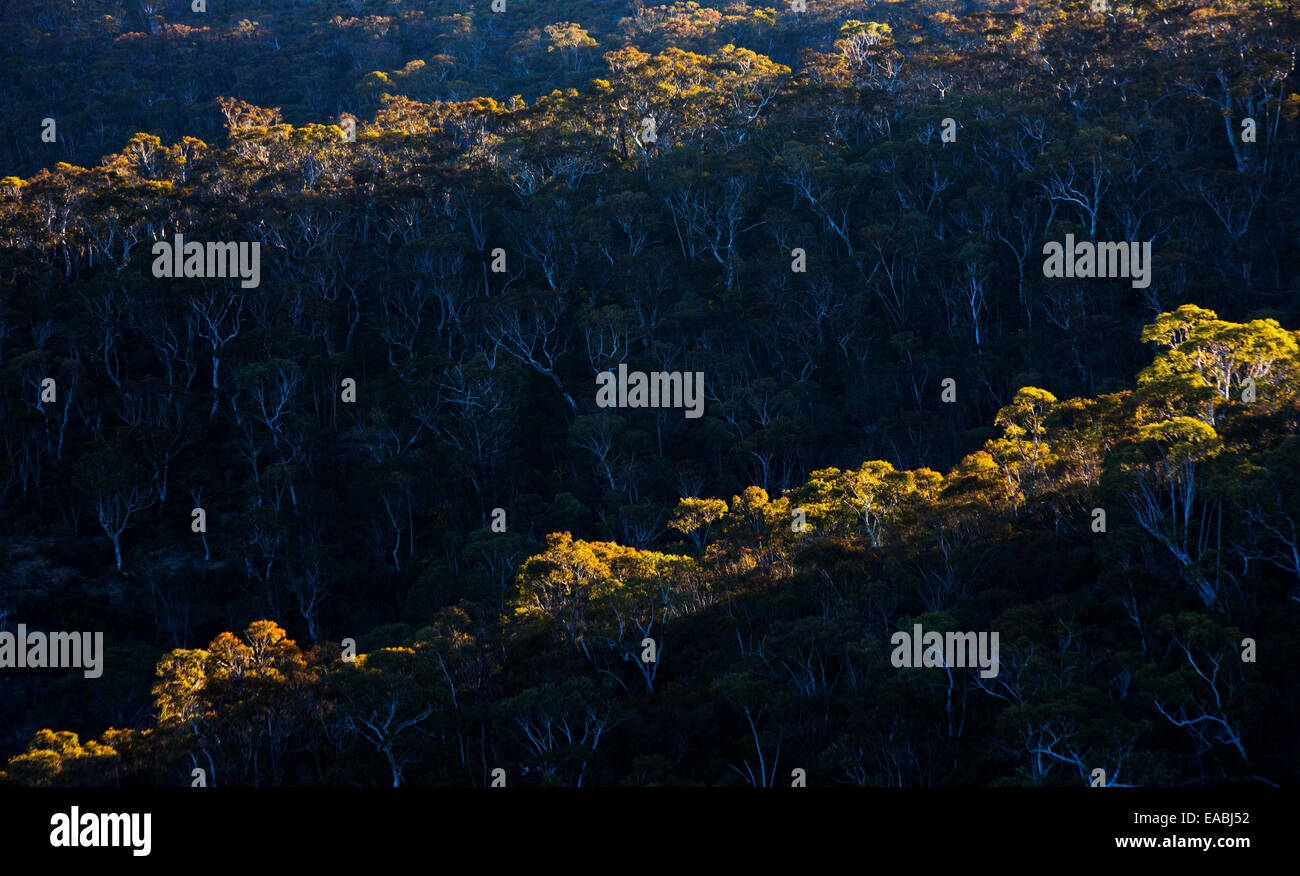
(664, 246)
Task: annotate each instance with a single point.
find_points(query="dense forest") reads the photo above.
(358, 518)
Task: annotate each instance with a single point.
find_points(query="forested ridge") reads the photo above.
(836, 216)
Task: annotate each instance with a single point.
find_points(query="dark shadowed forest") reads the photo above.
(355, 513)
